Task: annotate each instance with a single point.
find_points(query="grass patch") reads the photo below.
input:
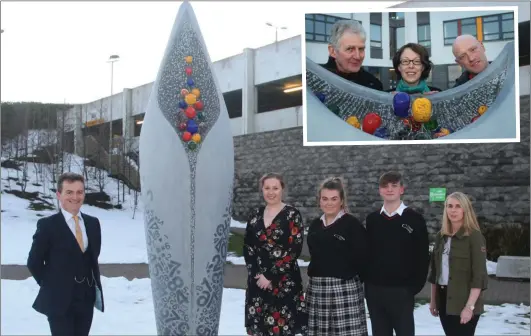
(236, 244)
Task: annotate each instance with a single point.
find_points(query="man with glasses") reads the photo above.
(470, 54)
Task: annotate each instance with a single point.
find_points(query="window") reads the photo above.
(397, 33)
(450, 32)
(454, 71)
(493, 28)
(498, 27)
(424, 35)
(376, 35)
(318, 26)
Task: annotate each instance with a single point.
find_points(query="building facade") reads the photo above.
(262, 87)
(387, 32)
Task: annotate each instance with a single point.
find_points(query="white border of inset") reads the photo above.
(412, 142)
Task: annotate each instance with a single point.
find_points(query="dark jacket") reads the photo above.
(361, 77)
(468, 269)
(465, 77)
(52, 261)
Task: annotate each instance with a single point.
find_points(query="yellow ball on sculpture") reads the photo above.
(190, 99)
(421, 109)
(482, 109)
(352, 120)
(196, 92)
(188, 59)
(196, 138)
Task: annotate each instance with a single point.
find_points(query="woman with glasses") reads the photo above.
(338, 249)
(412, 67)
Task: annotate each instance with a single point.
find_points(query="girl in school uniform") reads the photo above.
(338, 249)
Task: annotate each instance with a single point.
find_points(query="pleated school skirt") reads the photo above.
(336, 307)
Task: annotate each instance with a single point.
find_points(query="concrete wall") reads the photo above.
(495, 175)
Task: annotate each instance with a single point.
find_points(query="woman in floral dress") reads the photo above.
(274, 300)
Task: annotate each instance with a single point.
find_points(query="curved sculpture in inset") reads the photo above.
(482, 108)
(187, 173)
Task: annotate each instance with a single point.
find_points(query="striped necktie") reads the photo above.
(79, 235)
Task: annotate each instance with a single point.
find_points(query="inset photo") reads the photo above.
(431, 75)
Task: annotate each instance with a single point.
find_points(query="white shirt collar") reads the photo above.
(339, 215)
(398, 211)
(68, 216)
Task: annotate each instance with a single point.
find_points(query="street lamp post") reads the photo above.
(276, 29)
(112, 59)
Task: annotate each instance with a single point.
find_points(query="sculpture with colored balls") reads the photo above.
(401, 102)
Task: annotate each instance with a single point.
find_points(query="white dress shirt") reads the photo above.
(69, 218)
(338, 216)
(398, 211)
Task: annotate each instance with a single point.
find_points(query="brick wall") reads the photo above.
(496, 176)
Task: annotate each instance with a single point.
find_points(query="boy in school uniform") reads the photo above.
(398, 260)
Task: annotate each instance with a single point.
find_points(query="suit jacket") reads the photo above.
(52, 261)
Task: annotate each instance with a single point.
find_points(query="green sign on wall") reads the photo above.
(437, 194)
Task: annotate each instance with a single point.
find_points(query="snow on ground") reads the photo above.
(129, 311)
(129, 303)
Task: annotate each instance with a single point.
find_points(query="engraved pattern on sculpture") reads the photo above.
(173, 79)
(173, 297)
(208, 302)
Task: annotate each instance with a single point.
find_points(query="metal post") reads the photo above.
(112, 59)
(110, 118)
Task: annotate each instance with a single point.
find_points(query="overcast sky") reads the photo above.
(57, 51)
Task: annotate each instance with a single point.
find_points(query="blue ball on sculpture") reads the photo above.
(192, 127)
(190, 82)
(320, 96)
(381, 132)
(401, 102)
(182, 104)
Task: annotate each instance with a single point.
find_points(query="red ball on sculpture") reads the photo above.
(199, 105)
(182, 126)
(187, 136)
(371, 122)
(188, 71)
(190, 112)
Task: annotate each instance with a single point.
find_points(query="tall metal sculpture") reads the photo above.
(187, 174)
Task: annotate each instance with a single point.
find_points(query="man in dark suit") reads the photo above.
(64, 261)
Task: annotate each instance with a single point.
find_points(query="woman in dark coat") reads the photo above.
(274, 300)
(339, 250)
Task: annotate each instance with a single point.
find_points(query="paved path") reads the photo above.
(236, 276)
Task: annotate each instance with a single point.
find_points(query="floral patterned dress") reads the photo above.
(273, 252)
